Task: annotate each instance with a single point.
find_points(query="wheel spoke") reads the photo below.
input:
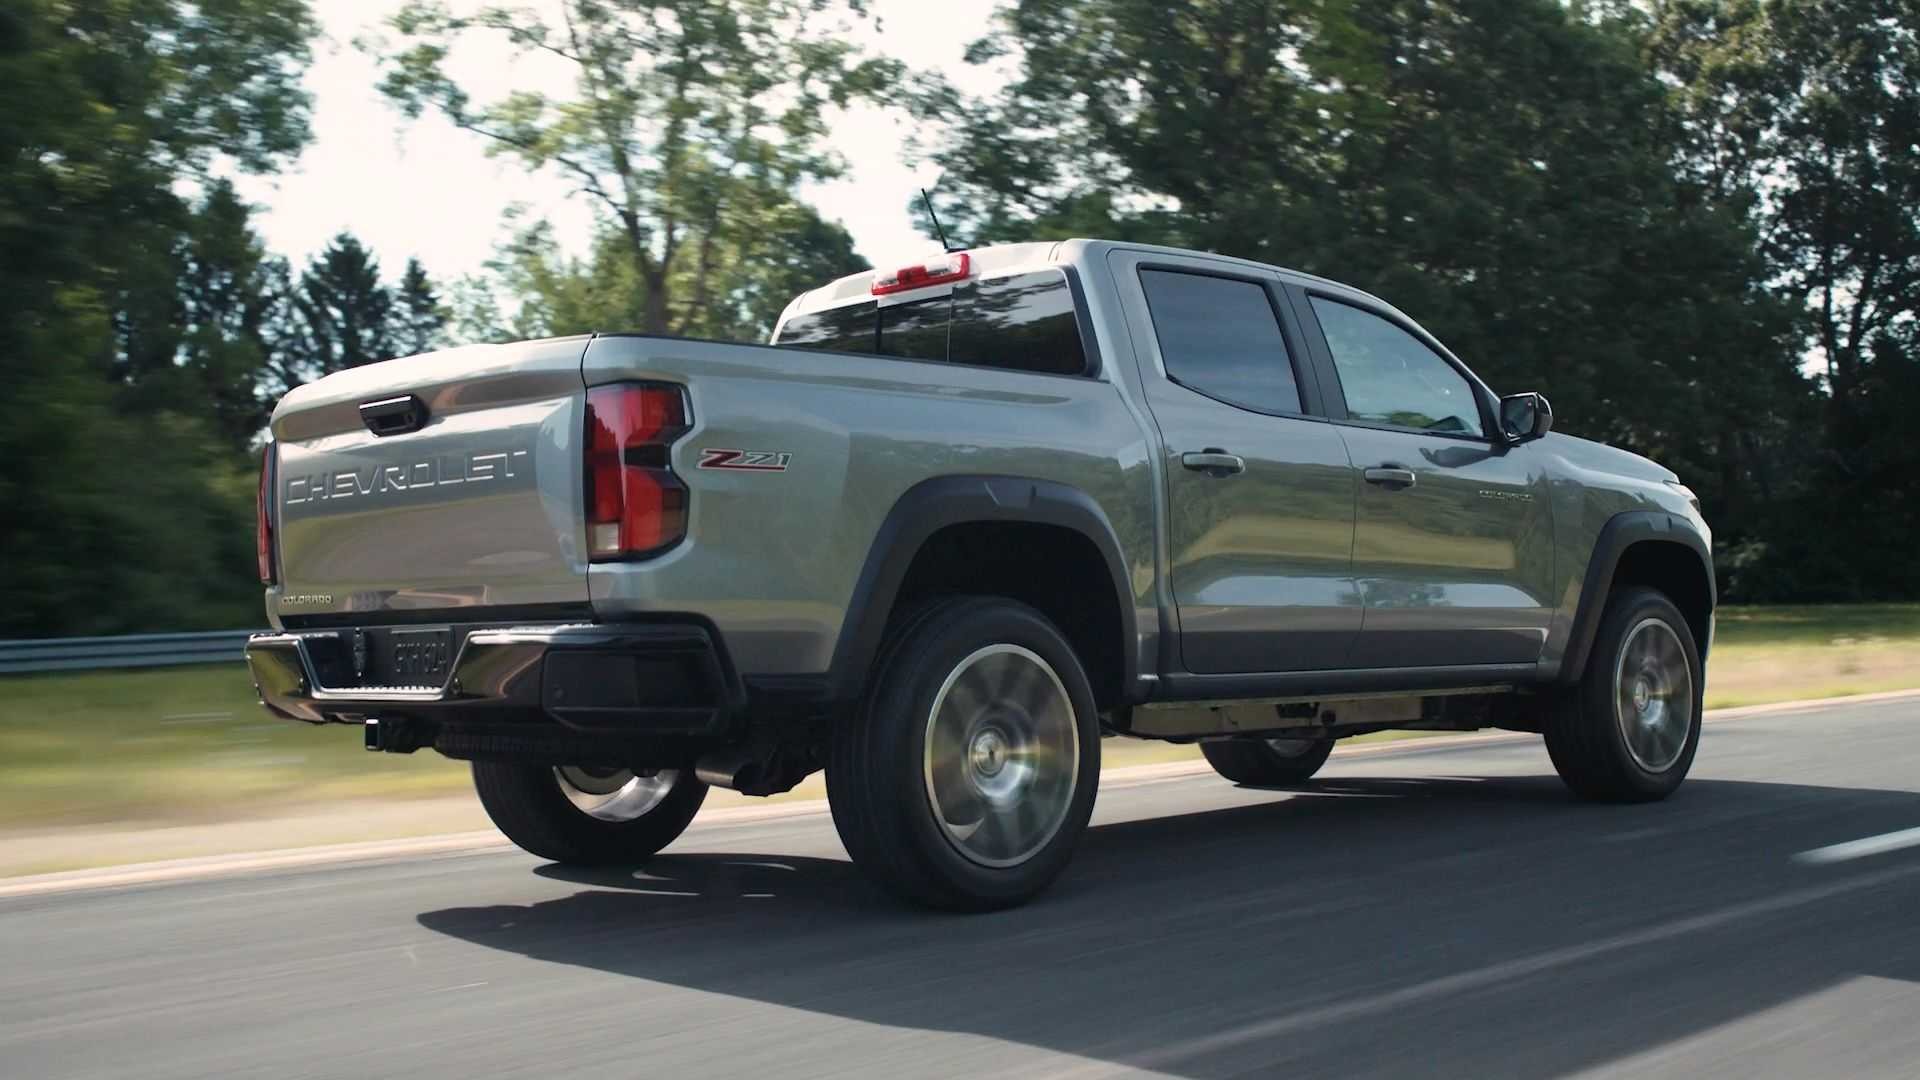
(1002, 753)
(1673, 665)
(1032, 689)
(615, 794)
(969, 696)
(1653, 695)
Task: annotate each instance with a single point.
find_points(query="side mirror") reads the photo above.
(1524, 417)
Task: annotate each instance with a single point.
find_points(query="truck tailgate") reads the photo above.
(480, 504)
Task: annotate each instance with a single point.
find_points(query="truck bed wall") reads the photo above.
(772, 557)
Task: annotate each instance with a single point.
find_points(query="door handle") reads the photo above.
(1214, 462)
(1392, 476)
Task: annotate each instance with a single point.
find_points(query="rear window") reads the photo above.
(1220, 337)
(1025, 322)
(841, 329)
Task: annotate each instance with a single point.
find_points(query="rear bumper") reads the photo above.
(668, 679)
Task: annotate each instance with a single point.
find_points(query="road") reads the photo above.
(1435, 912)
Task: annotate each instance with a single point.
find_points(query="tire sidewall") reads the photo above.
(526, 803)
(907, 689)
(1598, 692)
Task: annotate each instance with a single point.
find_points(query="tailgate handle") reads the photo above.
(394, 416)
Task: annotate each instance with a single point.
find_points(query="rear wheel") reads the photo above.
(1267, 762)
(1628, 732)
(968, 773)
(588, 815)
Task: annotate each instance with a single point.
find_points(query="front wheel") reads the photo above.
(967, 775)
(1628, 732)
(588, 816)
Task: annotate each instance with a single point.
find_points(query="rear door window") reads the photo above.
(1020, 322)
(1220, 337)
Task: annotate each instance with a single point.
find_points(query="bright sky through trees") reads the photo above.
(423, 189)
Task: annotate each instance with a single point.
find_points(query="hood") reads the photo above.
(1608, 459)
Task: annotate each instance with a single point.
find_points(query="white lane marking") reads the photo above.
(1171, 1057)
(1861, 848)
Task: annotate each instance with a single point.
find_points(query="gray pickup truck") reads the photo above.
(955, 525)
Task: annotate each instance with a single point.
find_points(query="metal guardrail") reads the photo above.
(131, 650)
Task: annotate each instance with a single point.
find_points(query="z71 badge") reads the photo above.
(746, 460)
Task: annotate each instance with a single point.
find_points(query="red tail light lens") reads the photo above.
(263, 515)
(636, 506)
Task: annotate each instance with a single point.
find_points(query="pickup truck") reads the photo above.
(952, 527)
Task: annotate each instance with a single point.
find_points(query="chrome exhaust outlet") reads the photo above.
(733, 768)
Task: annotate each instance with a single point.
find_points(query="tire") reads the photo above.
(991, 816)
(1267, 762)
(587, 817)
(1629, 730)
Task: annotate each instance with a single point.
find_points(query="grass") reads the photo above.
(187, 745)
(1786, 653)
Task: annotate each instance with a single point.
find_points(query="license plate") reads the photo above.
(417, 657)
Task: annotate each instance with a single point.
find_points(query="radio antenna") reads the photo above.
(938, 231)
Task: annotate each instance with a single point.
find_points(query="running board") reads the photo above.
(1344, 715)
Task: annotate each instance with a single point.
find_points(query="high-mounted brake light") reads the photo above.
(636, 506)
(953, 267)
(263, 515)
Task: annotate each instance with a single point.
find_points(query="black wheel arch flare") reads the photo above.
(943, 501)
(1623, 531)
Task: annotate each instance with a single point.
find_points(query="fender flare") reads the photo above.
(935, 504)
(1622, 531)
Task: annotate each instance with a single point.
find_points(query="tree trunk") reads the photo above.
(654, 317)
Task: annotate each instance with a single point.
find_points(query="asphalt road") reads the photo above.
(1430, 912)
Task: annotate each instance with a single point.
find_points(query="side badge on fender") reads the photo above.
(746, 460)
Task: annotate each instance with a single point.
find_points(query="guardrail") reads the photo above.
(131, 650)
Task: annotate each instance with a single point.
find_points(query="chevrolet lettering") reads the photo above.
(433, 472)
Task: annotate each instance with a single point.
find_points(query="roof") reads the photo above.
(998, 260)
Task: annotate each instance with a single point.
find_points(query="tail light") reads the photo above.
(953, 267)
(263, 515)
(636, 506)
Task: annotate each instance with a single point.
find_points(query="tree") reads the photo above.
(798, 251)
(419, 319)
(1807, 114)
(346, 314)
(689, 124)
(558, 294)
(232, 301)
(112, 109)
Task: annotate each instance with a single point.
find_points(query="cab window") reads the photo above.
(1388, 376)
(1220, 337)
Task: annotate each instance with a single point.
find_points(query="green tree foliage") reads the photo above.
(347, 315)
(124, 507)
(420, 321)
(758, 273)
(689, 124)
(1807, 114)
(232, 317)
(1504, 170)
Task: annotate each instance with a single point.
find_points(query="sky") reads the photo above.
(424, 189)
